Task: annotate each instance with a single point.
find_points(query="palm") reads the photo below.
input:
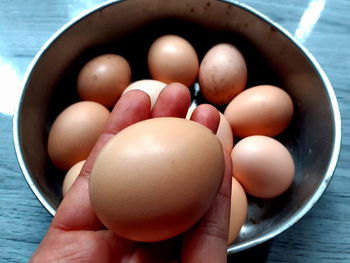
(76, 234)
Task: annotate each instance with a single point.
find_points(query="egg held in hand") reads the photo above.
(156, 178)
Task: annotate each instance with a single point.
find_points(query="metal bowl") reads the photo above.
(128, 28)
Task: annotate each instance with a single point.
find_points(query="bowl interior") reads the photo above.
(128, 28)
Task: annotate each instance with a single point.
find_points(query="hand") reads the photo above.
(76, 234)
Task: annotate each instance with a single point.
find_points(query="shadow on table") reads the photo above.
(258, 254)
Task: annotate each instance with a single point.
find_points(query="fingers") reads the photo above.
(173, 101)
(207, 241)
(207, 115)
(75, 211)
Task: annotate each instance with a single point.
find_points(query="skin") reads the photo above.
(76, 234)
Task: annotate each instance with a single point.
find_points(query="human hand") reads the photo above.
(77, 235)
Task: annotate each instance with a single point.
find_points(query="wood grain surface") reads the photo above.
(322, 236)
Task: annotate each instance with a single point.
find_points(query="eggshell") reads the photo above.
(150, 86)
(75, 132)
(260, 110)
(222, 74)
(156, 178)
(71, 176)
(103, 79)
(239, 210)
(263, 166)
(224, 133)
(172, 58)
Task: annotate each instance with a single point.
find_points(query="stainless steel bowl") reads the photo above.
(128, 27)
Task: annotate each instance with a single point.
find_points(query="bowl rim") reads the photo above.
(336, 139)
(233, 248)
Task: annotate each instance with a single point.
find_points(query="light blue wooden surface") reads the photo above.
(323, 26)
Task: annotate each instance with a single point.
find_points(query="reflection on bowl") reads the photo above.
(128, 28)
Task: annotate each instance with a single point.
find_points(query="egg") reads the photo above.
(103, 79)
(156, 178)
(74, 133)
(150, 86)
(172, 58)
(224, 133)
(263, 166)
(239, 210)
(222, 74)
(70, 177)
(260, 110)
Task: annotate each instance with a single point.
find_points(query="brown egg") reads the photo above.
(222, 74)
(172, 58)
(225, 133)
(261, 110)
(70, 177)
(103, 79)
(75, 132)
(156, 178)
(263, 166)
(150, 86)
(239, 210)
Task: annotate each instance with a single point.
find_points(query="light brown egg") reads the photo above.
(263, 166)
(172, 58)
(150, 86)
(103, 79)
(152, 181)
(75, 132)
(261, 110)
(70, 177)
(225, 133)
(222, 74)
(239, 210)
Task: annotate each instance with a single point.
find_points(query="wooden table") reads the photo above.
(323, 26)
